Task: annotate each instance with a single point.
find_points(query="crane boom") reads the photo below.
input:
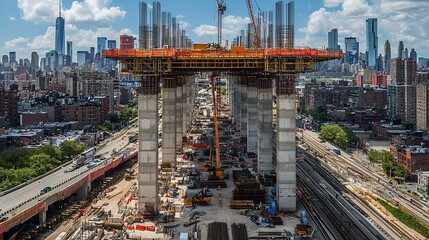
(221, 8)
(215, 123)
(256, 39)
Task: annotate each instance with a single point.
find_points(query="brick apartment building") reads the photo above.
(9, 107)
(411, 157)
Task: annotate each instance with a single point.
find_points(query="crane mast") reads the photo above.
(256, 39)
(221, 8)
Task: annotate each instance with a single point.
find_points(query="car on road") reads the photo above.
(45, 190)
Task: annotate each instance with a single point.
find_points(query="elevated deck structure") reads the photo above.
(250, 73)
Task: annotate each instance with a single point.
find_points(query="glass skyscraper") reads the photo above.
(371, 41)
(59, 33)
(333, 40)
(351, 50)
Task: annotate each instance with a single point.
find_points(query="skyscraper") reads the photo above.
(143, 27)
(290, 25)
(352, 50)
(387, 56)
(400, 49)
(333, 40)
(69, 48)
(101, 46)
(279, 24)
(34, 59)
(156, 25)
(59, 32)
(12, 57)
(413, 54)
(371, 41)
(405, 55)
(111, 44)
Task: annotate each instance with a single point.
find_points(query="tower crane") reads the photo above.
(256, 39)
(221, 8)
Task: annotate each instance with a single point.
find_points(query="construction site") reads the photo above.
(216, 138)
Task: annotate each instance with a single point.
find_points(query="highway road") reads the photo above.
(25, 197)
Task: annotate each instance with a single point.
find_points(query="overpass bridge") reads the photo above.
(27, 201)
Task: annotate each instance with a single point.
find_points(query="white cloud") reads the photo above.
(184, 24)
(94, 12)
(231, 27)
(332, 3)
(12, 18)
(16, 43)
(404, 20)
(180, 16)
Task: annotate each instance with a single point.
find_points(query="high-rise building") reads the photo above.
(82, 57)
(422, 107)
(5, 60)
(413, 54)
(9, 107)
(34, 59)
(156, 25)
(69, 48)
(405, 53)
(91, 54)
(351, 50)
(387, 56)
(12, 57)
(371, 41)
(333, 40)
(400, 49)
(280, 29)
(143, 26)
(59, 32)
(126, 42)
(410, 71)
(397, 71)
(101, 46)
(111, 44)
(290, 25)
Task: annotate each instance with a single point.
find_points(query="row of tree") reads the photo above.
(342, 137)
(18, 165)
(389, 165)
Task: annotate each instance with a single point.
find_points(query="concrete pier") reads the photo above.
(286, 162)
(185, 105)
(265, 125)
(179, 114)
(252, 114)
(148, 146)
(169, 121)
(243, 105)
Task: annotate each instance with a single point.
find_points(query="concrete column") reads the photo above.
(185, 106)
(42, 216)
(286, 162)
(82, 192)
(169, 121)
(243, 106)
(265, 125)
(237, 105)
(148, 147)
(233, 97)
(179, 114)
(252, 115)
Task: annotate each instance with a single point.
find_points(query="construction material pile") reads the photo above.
(249, 190)
(217, 231)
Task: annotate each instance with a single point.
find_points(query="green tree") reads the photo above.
(400, 172)
(71, 148)
(308, 110)
(320, 114)
(133, 101)
(373, 156)
(102, 128)
(334, 134)
(352, 138)
(42, 163)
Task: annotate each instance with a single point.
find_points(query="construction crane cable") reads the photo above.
(256, 39)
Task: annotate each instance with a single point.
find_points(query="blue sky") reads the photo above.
(29, 25)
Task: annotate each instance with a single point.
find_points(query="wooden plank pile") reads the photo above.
(241, 204)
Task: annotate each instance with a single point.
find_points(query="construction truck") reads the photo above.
(201, 198)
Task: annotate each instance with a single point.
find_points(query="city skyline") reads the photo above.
(112, 18)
